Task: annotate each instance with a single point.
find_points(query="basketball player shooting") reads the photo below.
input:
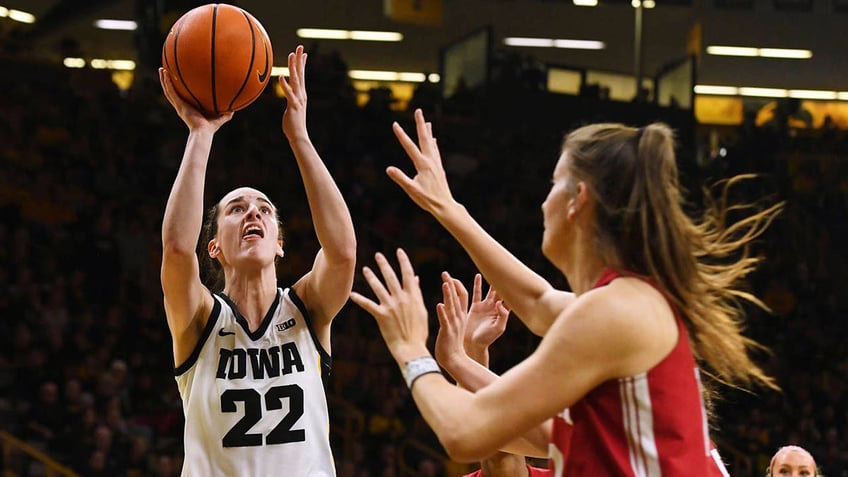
(249, 359)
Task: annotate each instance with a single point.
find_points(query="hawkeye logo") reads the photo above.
(285, 325)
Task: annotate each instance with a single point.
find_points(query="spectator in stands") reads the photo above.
(792, 461)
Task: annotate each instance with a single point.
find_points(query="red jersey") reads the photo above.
(650, 424)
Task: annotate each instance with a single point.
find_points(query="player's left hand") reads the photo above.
(294, 118)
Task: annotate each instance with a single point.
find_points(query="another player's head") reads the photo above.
(626, 179)
(616, 199)
(242, 232)
(792, 461)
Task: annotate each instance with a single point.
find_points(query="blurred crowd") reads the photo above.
(86, 370)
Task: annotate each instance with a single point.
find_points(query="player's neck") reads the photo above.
(253, 295)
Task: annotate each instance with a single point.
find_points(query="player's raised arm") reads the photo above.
(187, 301)
(532, 297)
(326, 288)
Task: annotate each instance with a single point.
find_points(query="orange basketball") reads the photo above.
(219, 57)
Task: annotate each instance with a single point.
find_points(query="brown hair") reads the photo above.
(212, 274)
(642, 227)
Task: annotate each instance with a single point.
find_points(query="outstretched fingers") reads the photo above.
(407, 273)
(426, 141)
(477, 290)
(390, 286)
(409, 146)
(378, 308)
(455, 297)
(389, 276)
(458, 288)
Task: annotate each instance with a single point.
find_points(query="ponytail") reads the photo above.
(642, 227)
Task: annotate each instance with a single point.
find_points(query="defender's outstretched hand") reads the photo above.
(453, 320)
(399, 309)
(468, 330)
(190, 115)
(487, 317)
(429, 188)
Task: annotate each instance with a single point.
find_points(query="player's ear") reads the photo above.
(576, 203)
(212, 249)
(280, 252)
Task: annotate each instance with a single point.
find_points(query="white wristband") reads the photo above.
(415, 368)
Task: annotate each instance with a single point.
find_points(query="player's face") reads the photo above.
(793, 463)
(555, 209)
(247, 229)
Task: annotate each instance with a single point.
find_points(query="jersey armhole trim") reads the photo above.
(326, 359)
(195, 353)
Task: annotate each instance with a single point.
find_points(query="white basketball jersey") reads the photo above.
(254, 403)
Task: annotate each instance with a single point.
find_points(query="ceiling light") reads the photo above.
(73, 62)
(323, 33)
(785, 53)
(412, 77)
(716, 90)
(732, 51)
(812, 94)
(4, 12)
(580, 44)
(21, 16)
(331, 34)
(373, 75)
(376, 75)
(101, 64)
(555, 43)
(107, 24)
(533, 42)
(764, 92)
(586, 3)
(762, 52)
(376, 35)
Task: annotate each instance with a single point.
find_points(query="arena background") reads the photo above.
(89, 152)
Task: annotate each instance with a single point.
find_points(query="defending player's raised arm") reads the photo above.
(187, 301)
(462, 348)
(473, 426)
(531, 297)
(326, 288)
(465, 360)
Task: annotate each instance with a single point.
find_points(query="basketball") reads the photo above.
(219, 58)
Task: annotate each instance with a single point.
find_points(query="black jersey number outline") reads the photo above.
(282, 433)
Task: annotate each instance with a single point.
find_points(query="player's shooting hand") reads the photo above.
(191, 116)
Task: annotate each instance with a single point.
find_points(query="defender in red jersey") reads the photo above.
(651, 290)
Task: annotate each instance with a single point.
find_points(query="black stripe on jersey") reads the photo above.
(263, 326)
(207, 330)
(326, 359)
